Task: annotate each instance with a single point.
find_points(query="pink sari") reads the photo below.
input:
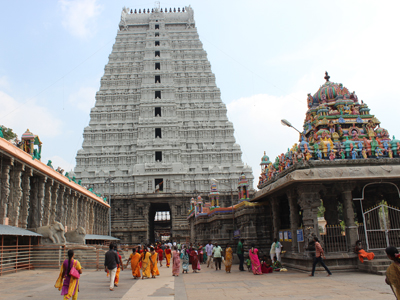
(176, 263)
(255, 262)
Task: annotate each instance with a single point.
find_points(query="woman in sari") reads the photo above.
(194, 259)
(228, 258)
(134, 258)
(255, 262)
(146, 268)
(200, 252)
(67, 284)
(185, 260)
(362, 253)
(160, 254)
(168, 256)
(176, 262)
(393, 271)
(153, 263)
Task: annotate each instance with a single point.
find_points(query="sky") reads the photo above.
(266, 55)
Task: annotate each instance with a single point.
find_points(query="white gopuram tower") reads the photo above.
(159, 127)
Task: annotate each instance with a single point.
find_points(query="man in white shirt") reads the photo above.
(278, 248)
(209, 249)
(170, 245)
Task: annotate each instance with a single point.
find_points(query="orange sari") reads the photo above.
(153, 264)
(168, 256)
(135, 258)
(363, 254)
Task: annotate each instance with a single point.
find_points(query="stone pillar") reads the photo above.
(60, 204)
(276, 222)
(66, 216)
(309, 201)
(80, 211)
(16, 195)
(47, 202)
(91, 217)
(54, 199)
(33, 221)
(5, 190)
(75, 217)
(26, 189)
(294, 217)
(40, 199)
(84, 212)
(351, 228)
(96, 219)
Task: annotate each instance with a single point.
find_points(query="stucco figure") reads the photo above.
(76, 236)
(55, 233)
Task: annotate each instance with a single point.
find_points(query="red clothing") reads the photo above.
(160, 254)
(318, 250)
(195, 261)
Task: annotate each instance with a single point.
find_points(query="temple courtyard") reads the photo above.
(207, 284)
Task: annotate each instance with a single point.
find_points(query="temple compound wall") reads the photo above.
(36, 197)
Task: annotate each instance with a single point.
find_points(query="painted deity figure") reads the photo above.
(390, 152)
(332, 155)
(342, 154)
(378, 152)
(367, 144)
(354, 154)
(364, 153)
(308, 155)
(319, 154)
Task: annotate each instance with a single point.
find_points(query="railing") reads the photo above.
(334, 239)
(14, 258)
(45, 256)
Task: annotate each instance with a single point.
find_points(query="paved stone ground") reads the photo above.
(207, 284)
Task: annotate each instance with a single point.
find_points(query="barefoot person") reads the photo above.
(146, 268)
(362, 253)
(120, 266)
(255, 261)
(228, 258)
(67, 284)
(168, 256)
(134, 258)
(319, 255)
(185, 260)
(153, 263)
(176, 262)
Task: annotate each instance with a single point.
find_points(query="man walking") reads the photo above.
(319, 254)
(217, 253)
(110, 262)
(209, 248)
(239, 252)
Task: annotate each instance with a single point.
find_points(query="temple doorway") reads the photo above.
(160, 222)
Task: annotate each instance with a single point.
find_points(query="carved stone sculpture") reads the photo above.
(54, 232)
(76, 236)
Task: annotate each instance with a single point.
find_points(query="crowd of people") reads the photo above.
(144, 261)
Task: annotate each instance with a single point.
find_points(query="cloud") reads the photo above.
(258, 128)
(21, 116)
(80, 16)
(4, 83)
(83, 99)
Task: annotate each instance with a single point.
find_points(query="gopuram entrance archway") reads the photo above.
(160, 223)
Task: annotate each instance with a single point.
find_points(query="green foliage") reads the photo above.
(8, 133)
(321, 210)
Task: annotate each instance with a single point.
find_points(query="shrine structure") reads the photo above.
(158, 133)
(346, 168)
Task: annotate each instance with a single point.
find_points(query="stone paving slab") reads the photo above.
(207, 284)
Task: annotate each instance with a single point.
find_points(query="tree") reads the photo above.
(8, 133)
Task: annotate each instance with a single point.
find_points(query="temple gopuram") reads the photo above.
(345, 171)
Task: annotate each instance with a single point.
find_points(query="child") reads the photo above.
(248, 263)
(276, 265)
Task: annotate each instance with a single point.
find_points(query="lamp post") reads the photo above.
(233, 214)
(285, 122)
(108, 181)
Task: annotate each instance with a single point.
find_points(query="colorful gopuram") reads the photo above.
(337, 126)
